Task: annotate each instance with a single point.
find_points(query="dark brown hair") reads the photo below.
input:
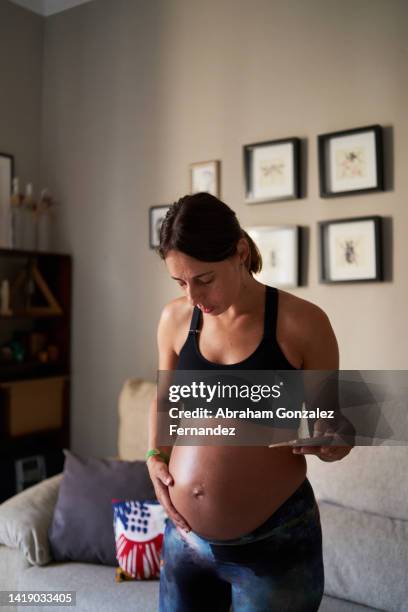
(203, 227)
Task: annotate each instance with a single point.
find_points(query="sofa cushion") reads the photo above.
(26, 517)
(373, 479)
(12, 563)
(95, 587)
(333, 604)
(134, 405)
(82, 525)
(365, 557)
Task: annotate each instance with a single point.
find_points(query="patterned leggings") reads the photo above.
(277, 567)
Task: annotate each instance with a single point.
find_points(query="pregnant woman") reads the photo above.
(243, 527)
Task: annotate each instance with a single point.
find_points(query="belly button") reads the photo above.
(198, 491)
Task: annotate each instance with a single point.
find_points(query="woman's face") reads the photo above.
(212, 286)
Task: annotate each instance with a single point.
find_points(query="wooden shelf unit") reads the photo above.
(35, 394)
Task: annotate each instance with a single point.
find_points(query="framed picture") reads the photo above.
(205, 176)
(351, 162)
(156, 217)
(280, 250)
(6, 176)
(351, 250)
(272, 170)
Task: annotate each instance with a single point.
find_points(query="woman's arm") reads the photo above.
(158, 469)
(167, 361)
(320, 353)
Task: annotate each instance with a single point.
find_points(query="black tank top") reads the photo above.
(267, 356)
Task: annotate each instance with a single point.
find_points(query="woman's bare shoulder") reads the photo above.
(175, 321)
(177, 310)
(299, 317)
(294, 307)
(307, 332)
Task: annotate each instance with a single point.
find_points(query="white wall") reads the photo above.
(136, 90)
(21, 61)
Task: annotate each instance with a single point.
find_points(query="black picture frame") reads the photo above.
(327, 274)
(351, 164)
(253, 191)
(156, 216)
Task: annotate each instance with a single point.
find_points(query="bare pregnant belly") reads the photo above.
(224, 492)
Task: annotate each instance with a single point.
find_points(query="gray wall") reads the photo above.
(21, 59)
(136, 90)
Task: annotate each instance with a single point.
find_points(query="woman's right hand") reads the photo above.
(162, 479)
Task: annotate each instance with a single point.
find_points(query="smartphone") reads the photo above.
(322, 441)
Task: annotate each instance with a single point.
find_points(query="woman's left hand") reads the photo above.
(325, 453)
(332, 452)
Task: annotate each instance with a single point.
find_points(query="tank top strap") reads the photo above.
(195, 320)
(271, 312)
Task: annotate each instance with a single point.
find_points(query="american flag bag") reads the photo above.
(138, 528)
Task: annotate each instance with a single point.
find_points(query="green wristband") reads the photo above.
(155, 452)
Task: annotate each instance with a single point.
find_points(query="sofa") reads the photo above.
(364, 513)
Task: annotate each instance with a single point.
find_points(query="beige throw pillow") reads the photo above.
(134, 406)
(26, 517)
